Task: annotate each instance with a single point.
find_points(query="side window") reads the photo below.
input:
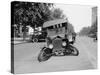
(55, 26)
(59, 25)
(64, 24)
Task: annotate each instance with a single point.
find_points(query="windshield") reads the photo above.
(56, 31)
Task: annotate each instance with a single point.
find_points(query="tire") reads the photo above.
(43, 56)
(74, 51)
(35, 40)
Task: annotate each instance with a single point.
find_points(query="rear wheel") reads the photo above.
(74, 51)
(35, 40)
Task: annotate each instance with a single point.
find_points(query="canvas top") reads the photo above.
(54, 22)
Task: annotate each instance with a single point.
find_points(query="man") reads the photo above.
(73, 36)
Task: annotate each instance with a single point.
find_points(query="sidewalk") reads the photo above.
(19, 41)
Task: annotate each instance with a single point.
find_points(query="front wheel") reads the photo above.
(43, 56)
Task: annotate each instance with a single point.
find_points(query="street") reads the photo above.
(25, 57)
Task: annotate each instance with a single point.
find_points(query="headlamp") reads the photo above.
(50, 46)
(64, 43)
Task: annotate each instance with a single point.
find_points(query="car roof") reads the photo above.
(54, 22)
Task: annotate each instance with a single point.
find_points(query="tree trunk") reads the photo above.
(24, 33)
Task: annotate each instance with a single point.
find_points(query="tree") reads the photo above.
(85, 31)
(29, 13)
(90, 31)
(57, 13)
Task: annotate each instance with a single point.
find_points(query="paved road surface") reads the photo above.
(26, 58)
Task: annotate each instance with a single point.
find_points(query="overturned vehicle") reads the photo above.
(57, 41)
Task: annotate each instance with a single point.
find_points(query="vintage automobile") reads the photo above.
(57, 41)
(39, 35)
